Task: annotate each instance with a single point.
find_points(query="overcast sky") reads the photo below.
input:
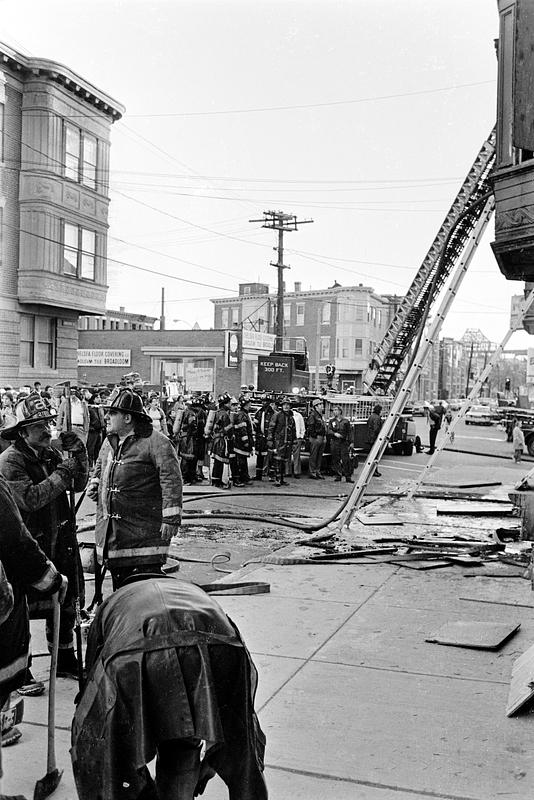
(363, 115)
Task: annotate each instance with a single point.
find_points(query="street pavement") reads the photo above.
(355, 704)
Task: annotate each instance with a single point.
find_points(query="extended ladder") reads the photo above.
(431, 276)
(431, 336)
(525, 306)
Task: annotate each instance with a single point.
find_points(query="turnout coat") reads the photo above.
(243, 433)
(221, 436)
(165, 662)
(140, 487)
(39, 485)
(281, 435)
(26, 567)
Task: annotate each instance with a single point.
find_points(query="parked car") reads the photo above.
(479, 415)
(416, 410)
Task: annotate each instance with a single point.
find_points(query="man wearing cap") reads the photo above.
(185, 432)
(316, 430)
(39, 478)
(280, 439)
(137, 484)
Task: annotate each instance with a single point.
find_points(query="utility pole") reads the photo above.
(278, 221)
(162, 315)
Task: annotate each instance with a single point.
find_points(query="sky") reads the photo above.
(361, 115)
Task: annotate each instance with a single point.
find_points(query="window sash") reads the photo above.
(325, 347)
(27, 340)
(325, 314)
(89, 146)
(300, 314)
(88, 254)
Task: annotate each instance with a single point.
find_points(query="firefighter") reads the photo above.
(199, 407)
(262, 419)
(26, 568)
(243, 441)
(39, 478)
(280, 439)
(316, 430)
(137, 484)
(168, 676)
(221, 435)
(340, 435)
(185, 432)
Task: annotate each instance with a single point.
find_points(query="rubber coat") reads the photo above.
(140, 487)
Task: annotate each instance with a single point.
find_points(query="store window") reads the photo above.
(79, 251)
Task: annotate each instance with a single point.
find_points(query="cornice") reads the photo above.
(28, 67)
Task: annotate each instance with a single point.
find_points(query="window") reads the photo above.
(300, 314)
(359, 313)
(89, 161)
(38, 341)
(287, 313)
(235, 316)
(379, 317)
(79, 252)
(325, 314)
(358, 347)
(80, 155)
(325, 347)
(2, 117)
(27, 340)
(224, 317)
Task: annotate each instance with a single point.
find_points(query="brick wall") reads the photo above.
(165, 344)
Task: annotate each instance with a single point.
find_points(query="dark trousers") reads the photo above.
(316, 454)
(433, 432)
(217, 470)
(189, 469)
(264, 465)
(339, 452)
(242, 468)
(94, 443)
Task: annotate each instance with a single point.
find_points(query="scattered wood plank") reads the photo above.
(426, 564)
(496, 572)
(475, 635)
(474, 511)
(464, 485)
(522, 682)
(497, 602)
(377, 519)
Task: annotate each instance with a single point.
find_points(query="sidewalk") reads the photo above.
(354, 703)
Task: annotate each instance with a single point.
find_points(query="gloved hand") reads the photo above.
(62, 591)
(167, 531)
(92, 491)
(71, 442)
(68, 468)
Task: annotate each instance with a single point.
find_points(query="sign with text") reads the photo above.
(198, 379)
(104, 358)
(256, 340)
(274, 373)
(231, 348)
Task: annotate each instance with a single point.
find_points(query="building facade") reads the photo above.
(120, 320)
(54, 199)
(187, 360)
(340, 325)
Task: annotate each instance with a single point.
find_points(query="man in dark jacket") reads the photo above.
(138, 487)
(26, 568)
(243, 441)
(280, 440)
(262, 419)
(374, 423)
(339, 432)
(39, 478)
(435, 418)
(316, 430)
(221, 434)
(168, 672)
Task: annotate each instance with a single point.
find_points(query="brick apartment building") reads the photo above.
(54, 199)
(340, 325)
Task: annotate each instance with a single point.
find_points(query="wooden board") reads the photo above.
(377, 519)
(472, 510)
(522, 682)
(426, 564)
(475, 635)
(496, 602)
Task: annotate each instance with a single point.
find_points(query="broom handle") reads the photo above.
(51, 748)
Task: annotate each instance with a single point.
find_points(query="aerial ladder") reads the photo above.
(383, 370)
(447, 260)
